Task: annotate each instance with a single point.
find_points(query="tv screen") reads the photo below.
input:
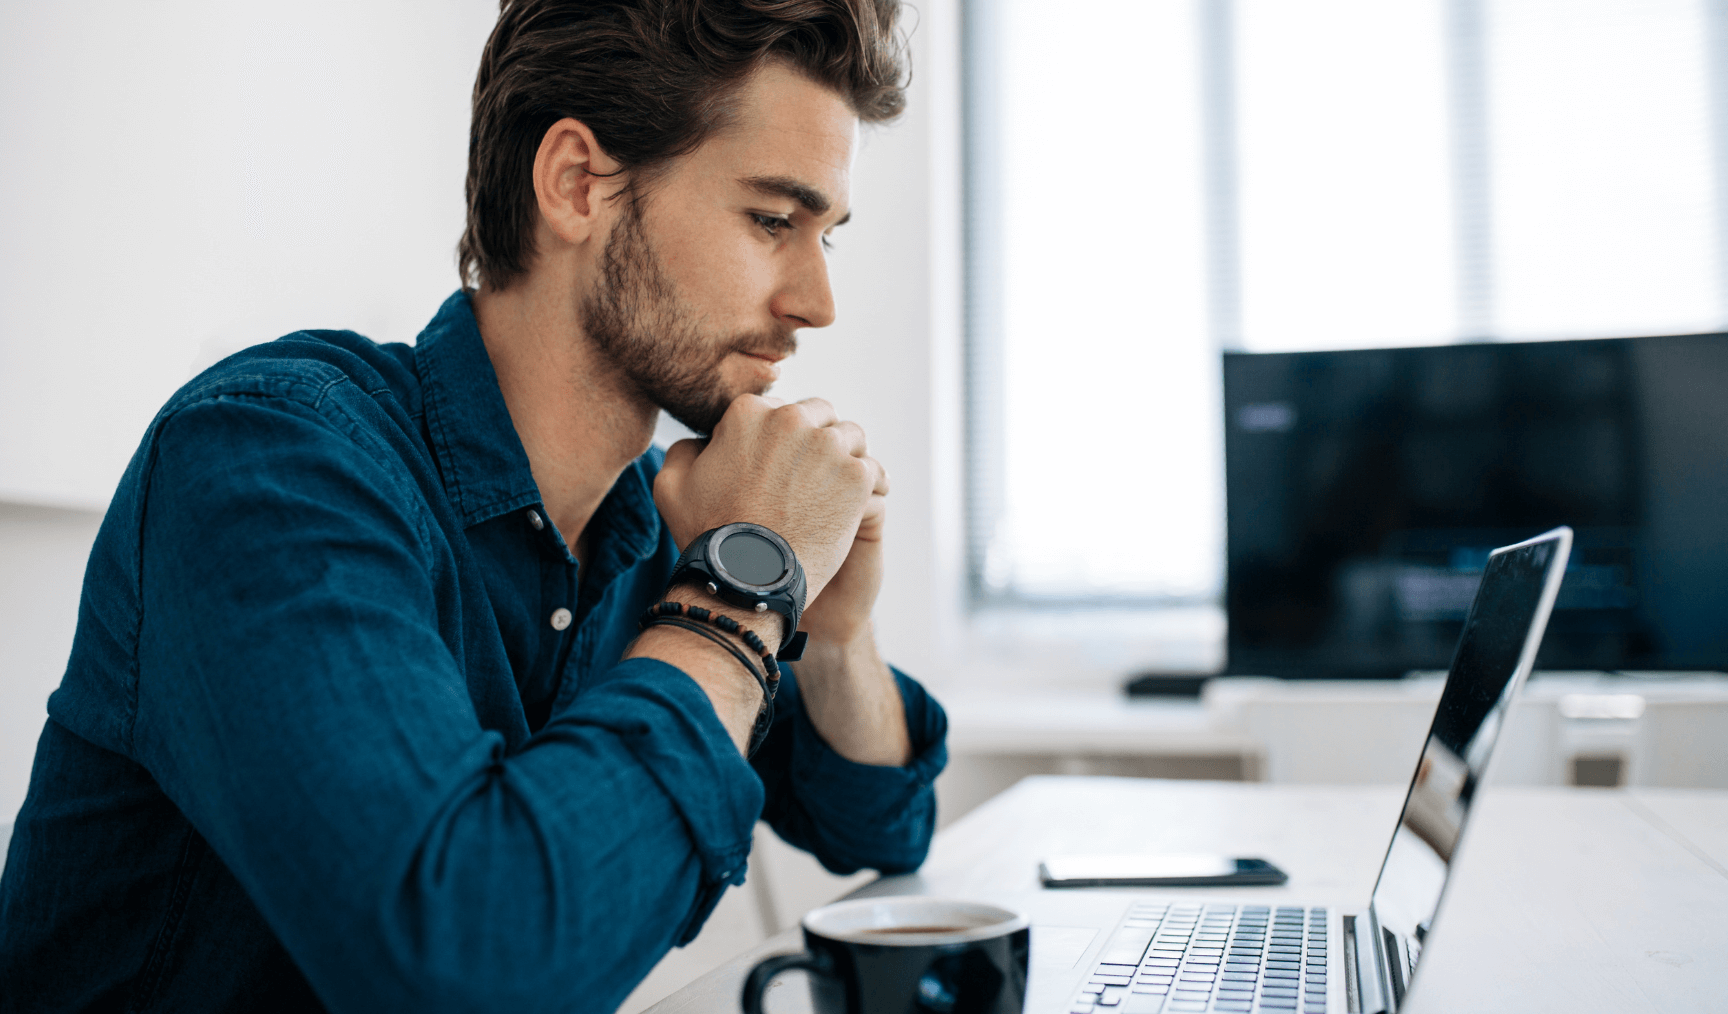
(1366, 488)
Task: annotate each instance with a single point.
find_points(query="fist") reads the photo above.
(797, 469)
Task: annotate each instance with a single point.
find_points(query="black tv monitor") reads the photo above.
(1365, 489)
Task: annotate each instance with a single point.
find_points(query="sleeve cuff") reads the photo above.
(926, 724)
(869, 815)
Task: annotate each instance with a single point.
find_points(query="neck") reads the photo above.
(577, 417)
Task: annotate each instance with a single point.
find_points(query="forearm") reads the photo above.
(851, 816)
(853, 701)
(734, 693)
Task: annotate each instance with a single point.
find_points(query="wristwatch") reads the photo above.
(750, 567)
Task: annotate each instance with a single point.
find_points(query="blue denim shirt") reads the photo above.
(319, 742)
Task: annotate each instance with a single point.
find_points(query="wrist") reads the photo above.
(735, 696)
(856, 650)
(747, 566)
(768, 626)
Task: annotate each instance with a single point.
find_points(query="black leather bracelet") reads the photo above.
(764, 715)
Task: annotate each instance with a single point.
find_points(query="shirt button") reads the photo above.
(560, 618)
(534, 519)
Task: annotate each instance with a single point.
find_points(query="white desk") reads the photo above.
(1575, 900)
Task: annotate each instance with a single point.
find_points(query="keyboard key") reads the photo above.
(1141, 1003)
(1081, 1008)
(1277, 1002)
(1092, 987)
(1155, 988)
(1231, 976)
(1232, 1005)
(1110, 1000)
(1112, 980)
(1184, 1005)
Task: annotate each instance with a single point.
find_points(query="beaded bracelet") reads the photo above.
(726, 623)
(764, 714)
(671, 614)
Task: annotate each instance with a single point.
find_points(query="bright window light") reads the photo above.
(1158, 181)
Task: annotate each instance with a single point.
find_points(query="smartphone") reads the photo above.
(1157, 871)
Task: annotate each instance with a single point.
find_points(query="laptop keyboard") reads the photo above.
(1191, 957)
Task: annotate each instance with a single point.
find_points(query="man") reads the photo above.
(359, 713)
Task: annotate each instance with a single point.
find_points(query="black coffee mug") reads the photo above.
(907, 955)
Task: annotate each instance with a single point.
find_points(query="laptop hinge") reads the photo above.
(1363, 983)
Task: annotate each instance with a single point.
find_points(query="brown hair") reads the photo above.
(652, 79)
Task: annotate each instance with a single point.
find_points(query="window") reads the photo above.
(1160, 180)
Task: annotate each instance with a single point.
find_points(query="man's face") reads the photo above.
(704, 284)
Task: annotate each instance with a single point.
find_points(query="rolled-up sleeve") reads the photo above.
(853, 816)
(297, 701)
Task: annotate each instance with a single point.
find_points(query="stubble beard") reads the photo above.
(635, 319)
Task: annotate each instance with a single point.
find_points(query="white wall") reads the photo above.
(184, 178)
(42, 553)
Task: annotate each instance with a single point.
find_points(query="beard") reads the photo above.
(655, 342)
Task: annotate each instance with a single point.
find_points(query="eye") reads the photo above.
(771, 224)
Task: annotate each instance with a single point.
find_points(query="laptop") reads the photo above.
(1164, 954)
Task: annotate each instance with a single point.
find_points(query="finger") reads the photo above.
(875, 516)
(879, 487)
(740, 412)
(681, 455)
(849, 436)
(669, 484)
(819, 412)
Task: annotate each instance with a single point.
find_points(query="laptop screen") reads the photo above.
(1501, 634)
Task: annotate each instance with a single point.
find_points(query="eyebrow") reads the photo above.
(813, 200)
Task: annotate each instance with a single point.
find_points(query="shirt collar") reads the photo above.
(485, 469)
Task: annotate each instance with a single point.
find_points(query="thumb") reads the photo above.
(680, 457)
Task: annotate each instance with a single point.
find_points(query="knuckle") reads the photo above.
(857, 472)
(787, 418)
(833, 441)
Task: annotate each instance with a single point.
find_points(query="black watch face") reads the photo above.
(751, 559)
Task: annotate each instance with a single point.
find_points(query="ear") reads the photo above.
(569, 183)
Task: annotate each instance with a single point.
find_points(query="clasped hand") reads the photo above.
(803, 472)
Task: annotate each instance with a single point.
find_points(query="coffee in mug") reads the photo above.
(907, 955)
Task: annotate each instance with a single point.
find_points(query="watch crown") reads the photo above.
(713, 589)
(761, 607)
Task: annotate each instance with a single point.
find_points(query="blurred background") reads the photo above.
(1201, 337)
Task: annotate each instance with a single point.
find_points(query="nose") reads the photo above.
(805, 299)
